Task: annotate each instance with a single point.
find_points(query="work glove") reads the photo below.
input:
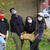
(32, 40)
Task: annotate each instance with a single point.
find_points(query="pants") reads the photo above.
(34, 45)
(2, 40)
(17, 41)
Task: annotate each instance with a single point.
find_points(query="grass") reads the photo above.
(44, 45)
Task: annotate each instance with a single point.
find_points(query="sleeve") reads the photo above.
(22, 22)
(24, 28)
(34, 25)
(40, 31)
(7, 25)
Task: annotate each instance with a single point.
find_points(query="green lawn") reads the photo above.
(44, 45)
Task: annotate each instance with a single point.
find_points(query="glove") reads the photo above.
(21, 37)
(32, 40)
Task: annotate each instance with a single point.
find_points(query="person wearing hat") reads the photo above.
(4, 27)
(17, 28)
(40, 26)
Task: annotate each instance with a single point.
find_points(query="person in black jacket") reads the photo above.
(4, 27)
(17, 28)
(30, 26)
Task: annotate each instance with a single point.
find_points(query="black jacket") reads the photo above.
(30, 29)
(4, 26)
(16, 24)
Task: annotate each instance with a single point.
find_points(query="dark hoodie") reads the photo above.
(16, 24)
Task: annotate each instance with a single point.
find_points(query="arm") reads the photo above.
(36, 36)
(34, 25)
(7, 26)
(4, 36)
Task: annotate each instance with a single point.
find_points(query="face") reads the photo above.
(13, 11)
(40, 18)
(29, 20)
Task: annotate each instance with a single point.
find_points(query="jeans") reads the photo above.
(35, 45)
(2, 40)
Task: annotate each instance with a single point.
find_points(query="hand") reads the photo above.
(24, 32)
(34, 39)
(36, 36)
(21, 37)
(6, 36)
(0, 33)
